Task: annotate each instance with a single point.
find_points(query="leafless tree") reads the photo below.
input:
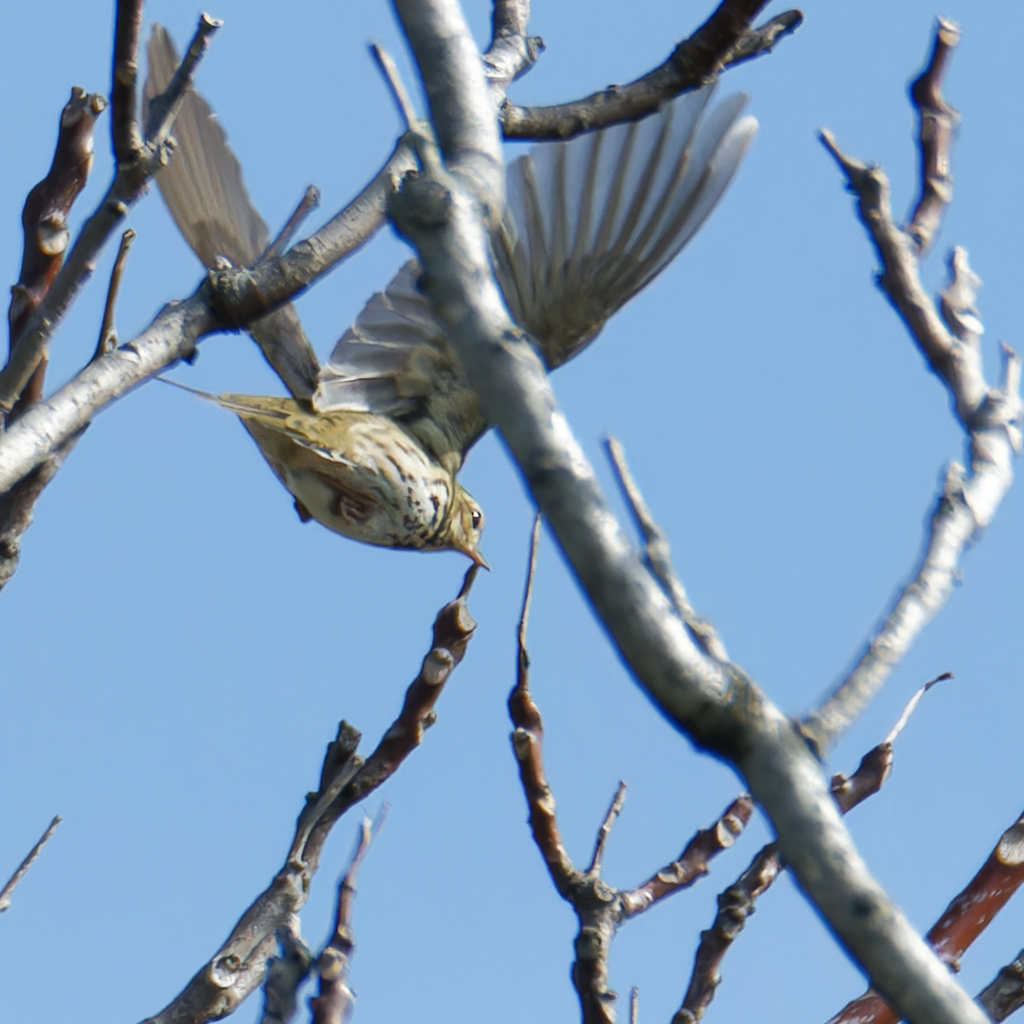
(443, 189)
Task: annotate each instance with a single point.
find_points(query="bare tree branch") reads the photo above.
(948, 336)
(285, 973)
(512, 52)
(307, 204)
(29, 347)
(238, 967)
(108, 331)
(46, 238)
(716, 705)
(725, 38)
(45, 216)
(737, 903)
(600, 908)
(937, 124)
(658, 555)
(614, 810)
(12, 883)
(1005, 993)
(124, 120)
(966, 917)
(334, 1002)
(225, 298)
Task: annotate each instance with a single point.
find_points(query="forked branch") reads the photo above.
(948, 335)
(738, 902)
(239, 966)
(599, 907)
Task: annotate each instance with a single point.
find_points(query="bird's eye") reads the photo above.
(477, 518)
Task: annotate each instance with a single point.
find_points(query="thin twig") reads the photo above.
(8, 890)
(912, 704)
(695, 860)
(334, 1001)
(634, 1005)
(307, 204)
(1005, 993)
(108, 331)
(600, 909)
(658, 555)
(399, 93)
(44, 221)
(46, 237)
(614, 810)
(163, 109)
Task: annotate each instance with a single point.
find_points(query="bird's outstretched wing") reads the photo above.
(203, 189)
(587, 225)
(592, 221)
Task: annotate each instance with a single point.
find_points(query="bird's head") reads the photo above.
(463, 527)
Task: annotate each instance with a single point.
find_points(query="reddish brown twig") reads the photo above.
(8, 890)
(600, 908)
(737, 903)
(238, 967)
(29, 342)
(44, 221)
(962, 922)
(1005, 993)
(334, 1001)
(937, 125)
(46, 238)
(124, 121)
(694, 861)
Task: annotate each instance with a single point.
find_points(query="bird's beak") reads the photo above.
(478, 559)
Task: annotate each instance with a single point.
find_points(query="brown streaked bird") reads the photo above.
(370, 445)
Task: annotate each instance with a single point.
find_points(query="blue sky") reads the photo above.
(177, 648)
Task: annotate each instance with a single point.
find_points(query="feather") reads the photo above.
(588, 224)
(203, 189)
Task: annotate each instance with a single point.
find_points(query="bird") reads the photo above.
(371, 443)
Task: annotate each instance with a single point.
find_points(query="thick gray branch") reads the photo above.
(716, 706)
(42, 430)
(226, 299)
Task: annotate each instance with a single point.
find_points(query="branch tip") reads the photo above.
(389, 70)
(8, 890)
(912, 704)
